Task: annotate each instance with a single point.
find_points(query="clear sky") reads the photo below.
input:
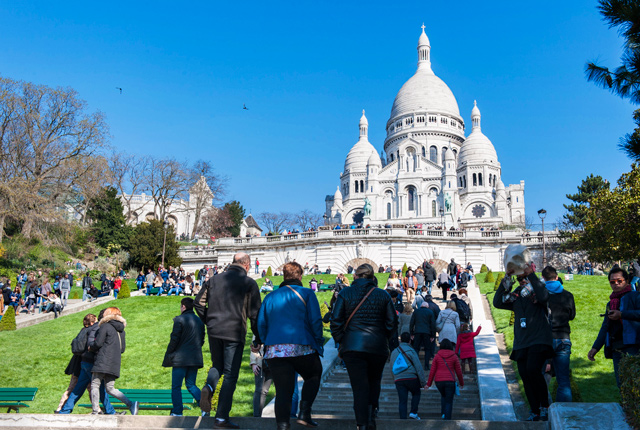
(307, 69)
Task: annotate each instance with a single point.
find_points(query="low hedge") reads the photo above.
(489, 277)
(8, 321)
(630, 388)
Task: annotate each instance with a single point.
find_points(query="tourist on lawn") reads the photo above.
(532, 337)
(262, 377)
(362, 322)
(140, 280)
(466, 349)
(158, 283)
(290, 327)
(448, 323)
(65, 288)
(423, 331)
(109, 346)
(31, 296)
(80, 345)
(267, 286)
(225, 303)
(87, 283)
(409, 379)
(184, 354)
(15, 299)
(563, 309)
(74, 368)
(53, 304)
(620, 330)
(444, 370)
(149, 280)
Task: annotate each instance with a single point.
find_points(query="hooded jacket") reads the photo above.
(109, 345)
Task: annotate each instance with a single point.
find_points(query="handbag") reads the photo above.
(453, 376)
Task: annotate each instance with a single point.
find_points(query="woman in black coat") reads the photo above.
(362, 322)
(109, 346)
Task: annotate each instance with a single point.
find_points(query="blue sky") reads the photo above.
(307, 69)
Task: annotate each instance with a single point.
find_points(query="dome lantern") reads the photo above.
(364, 126)
(424, 51)
(475, 116)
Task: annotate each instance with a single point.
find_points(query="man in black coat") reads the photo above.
(423, 330)
(430, 274)
(224, 303)
(184, 354)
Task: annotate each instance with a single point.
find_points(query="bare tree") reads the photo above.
(216, 222)
(206, 187)
(275, 222)
(92, 174)
(167, 182)
(306, 219)
(129, 173)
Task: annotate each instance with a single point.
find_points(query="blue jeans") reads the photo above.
(178, 374)
(115, 293)
(618, 355)
(83, 382)
(149, 286)
(85, 295)
(404, 387)
(561, 365)
(447, 390)
(429, 285)
(139, 284)
(176, 290)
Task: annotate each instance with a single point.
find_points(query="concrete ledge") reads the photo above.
(29, 320)
(99, 422)
(495, 399)
(593, 416)
(328, 362)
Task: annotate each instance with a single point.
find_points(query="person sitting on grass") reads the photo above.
(267, 286)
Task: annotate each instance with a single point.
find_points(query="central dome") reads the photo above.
(425, 92)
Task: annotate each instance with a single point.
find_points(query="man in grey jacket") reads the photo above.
(65, 287)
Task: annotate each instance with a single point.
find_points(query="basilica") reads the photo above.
(429, 172)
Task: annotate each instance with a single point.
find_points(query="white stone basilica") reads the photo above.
(432, 173)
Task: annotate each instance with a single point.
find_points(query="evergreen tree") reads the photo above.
(108, 224)
(625, 79)
(8, 321)
(236, 211)
(145, 246)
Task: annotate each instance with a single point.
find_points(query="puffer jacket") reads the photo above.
(187, 338)
(109, 345)
(371, 326)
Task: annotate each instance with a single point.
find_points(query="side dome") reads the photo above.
(477, 148)
(424, 91)
(359, 155)
(337, 196)
(374, 160)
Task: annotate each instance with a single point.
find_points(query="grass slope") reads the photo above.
(595, 380)
(37, 356)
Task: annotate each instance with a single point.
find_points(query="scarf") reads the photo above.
(291, 282)
(554, 287)
(616, 296)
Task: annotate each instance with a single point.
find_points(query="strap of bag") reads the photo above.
(120, 339)
(358, 307)
(452, 375)
(406, 357)
(297, 294)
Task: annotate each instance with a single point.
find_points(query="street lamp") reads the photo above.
(542, 214)
(165, 224)
(442, 217)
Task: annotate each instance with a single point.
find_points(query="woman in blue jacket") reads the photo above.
(290, 328)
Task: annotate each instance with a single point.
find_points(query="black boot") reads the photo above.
(364, 427)
(284, 426)
(373, 414)
(304, 416)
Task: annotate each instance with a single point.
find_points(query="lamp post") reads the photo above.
(542, 214)
(165, 224)
(442, 217)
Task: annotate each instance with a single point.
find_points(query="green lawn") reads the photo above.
(595, 380)
(37, 356)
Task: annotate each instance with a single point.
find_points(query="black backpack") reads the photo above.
(463, 310)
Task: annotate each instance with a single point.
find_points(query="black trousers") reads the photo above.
(283, 372)
(365, 373)
(226, 357)
(420, 340)
(535, 387)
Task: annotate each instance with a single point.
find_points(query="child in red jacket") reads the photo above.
(445, 363)
(466, 349)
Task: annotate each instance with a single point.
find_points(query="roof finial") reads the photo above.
(423, 27)
(475, 103)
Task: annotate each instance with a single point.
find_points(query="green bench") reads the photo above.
(14, 398)
(154, 291)
(148, 399)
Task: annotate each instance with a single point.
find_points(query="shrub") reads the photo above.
(512, 318)
(489, 277)
(197, 273)
(75, 295)
(125, 291)
(216, 394)
(630, 388)
(498, 280)
(269, 272)
(323, 310)
(8, 273)
(484, 268)
(8, 321)
(404, 270)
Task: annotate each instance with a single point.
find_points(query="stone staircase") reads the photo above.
(335, 399)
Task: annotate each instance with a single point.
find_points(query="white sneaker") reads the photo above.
(414, 417)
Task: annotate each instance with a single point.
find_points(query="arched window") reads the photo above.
(490, 183)
(444, 152)
(362, 190)
(480, 179)
(433, 209)
(392, 157)
(460, 181)
(455, 154)
(475, 180)
(357, 186)
(424, 152)
(433, 154)
(411, 194)
(494, 180)
(388, 210)
(464, 181)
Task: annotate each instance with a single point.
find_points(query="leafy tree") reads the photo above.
(236, 212)
(145, 246)
(108, 223)
(625, 79)
(611, 221)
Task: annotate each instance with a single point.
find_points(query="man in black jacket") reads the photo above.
(430, 274)
(224, 303)
(563, 310)
(423, 330)
(184, 354)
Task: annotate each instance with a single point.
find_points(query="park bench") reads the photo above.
(14, 398)
(154, 291)
(326, 287)
(148, 399)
